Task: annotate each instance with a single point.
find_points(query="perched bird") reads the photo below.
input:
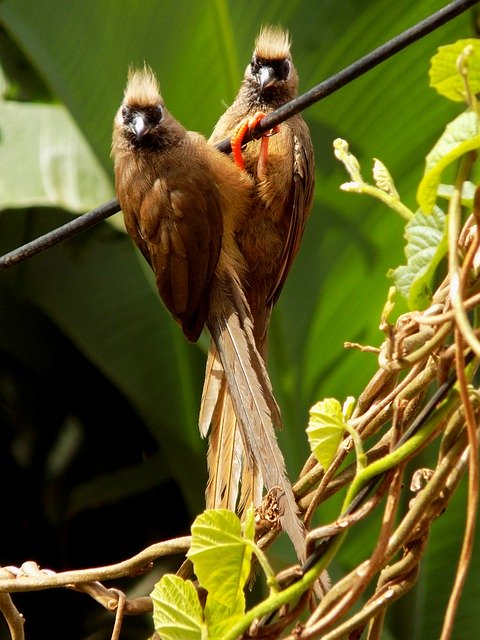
(269, 239)
(184, 203)
(175, 220)
(284, 181)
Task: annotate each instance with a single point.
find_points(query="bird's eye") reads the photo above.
(254, 65)
(286, 66)
(159, 113)
(125, 112)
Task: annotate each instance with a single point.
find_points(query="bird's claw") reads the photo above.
(236, 142)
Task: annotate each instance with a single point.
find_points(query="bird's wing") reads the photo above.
(301, 195)
(183, 244)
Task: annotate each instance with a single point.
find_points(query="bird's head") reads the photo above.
(271, 70)
(142, 114)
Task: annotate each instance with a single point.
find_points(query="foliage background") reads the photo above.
(99, 448)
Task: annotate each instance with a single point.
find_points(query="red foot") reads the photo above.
(237, 139)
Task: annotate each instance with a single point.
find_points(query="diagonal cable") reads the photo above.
(307, 99)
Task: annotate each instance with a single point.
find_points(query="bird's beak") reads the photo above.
(266, 77)
(139, 127)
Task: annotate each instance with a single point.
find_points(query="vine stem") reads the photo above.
(402, 452)
(463, 333)
(288, 596)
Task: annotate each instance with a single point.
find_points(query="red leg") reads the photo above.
(236, 143)
(237, 139)
(263, 155)
(262, 159)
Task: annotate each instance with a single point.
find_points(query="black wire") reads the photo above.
(356, 69)
(52, 238)
(317, 93)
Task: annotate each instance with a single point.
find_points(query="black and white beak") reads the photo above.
(266, 77)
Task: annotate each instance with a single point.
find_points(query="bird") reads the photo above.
(285, 186)
(184, 203)
(176, 222)
(283, 171)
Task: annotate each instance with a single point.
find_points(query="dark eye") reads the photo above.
(286, 68)
(125, 112)
(159, 113)
(254, 65)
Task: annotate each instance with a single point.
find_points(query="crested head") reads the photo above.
(142, 121)
(142, 88)
(272, 43)
(270, 78)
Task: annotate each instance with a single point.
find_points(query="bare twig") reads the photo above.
(13, 579)
(325, 616)
(119, 614)
(473, 476)
(14, 619)
(109, 598)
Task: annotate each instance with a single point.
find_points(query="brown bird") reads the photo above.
(284, 189)
(176, 221)
(269, 240)
(183, 203)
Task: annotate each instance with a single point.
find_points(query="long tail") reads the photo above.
(229, 468)
(245, 404)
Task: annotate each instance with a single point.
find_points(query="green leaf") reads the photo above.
(59, 168)
(219, 620)
(221, 559)
(177, 613)
(383, 179)
(468, 193)
(426, 246)
(460, 136)
(325, 430)
(444, 73)
(248, 524)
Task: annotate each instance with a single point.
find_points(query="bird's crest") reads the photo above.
(272, 43)
(142, 87)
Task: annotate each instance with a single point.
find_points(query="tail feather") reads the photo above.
(224, 456)
(229, 469)
(251, 394)
(251, 487)
(214, 379)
